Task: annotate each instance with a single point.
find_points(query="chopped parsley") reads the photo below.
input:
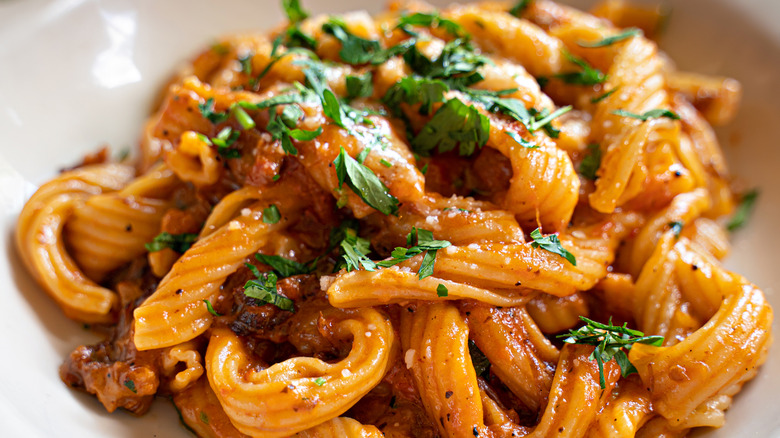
(432, 20)
(652, 114)
(552, 244)
(177, 242)
(282, 125)
(598, 99)
(608, 41)
(364, 183)
(590, 163)
(319, 381)
(676, 228)
(423, 242)
(441, 290)
(210, 308)
(453, 124)
(478, 360)
(744, 210)
(457, 58)
(518, 9)
(360, 86)
(610, 342)
(204, 418)
(542, 120)
(354, 250)
(521, 141)
(413, 90)
(294, 10)
(586, 76)
(282, 266)
(271, 214)
(207, 111)
(354, 49)
(131, 386)
(264, 289)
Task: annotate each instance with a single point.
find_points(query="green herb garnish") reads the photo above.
(210, 308)
(518, 9)
(587, 76)
(744, 210)
(131, 386)
(598, 99)
(453, 124)
(521, 141)
(360, 86)
(271, 214)
(590, 163)
(441, 290)
(652, 114)
(478, 360)
(364, 183)
(610, 342)
(264, 289)
(607, 41)
(432, 20)
(552, 244)
(283, 266)
(319, 381)
(423, 242)
(676, 228)
(294, 10)
(177, 242)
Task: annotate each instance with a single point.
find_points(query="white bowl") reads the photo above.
(77, 74)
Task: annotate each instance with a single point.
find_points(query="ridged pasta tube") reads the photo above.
(301, 392)
(39, 239)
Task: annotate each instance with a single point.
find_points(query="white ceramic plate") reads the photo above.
(77, 74)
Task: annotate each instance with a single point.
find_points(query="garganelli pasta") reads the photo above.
(491, 219)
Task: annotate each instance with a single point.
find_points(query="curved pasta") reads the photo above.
(111, 229)
(39, 239)
(340, 427)
(176, 312)
(285, 398)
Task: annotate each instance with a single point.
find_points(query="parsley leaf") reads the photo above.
(131, 386)
(453, 124)
(207, 111)
(676, 228)
(518, 9)
(543, 118)
(607, 41)
(587, 76)
(364, 183)
(521, 141)
(283, 266)
(354, 49)
(478, 360)
(360, 86)
(652, 114)
(598, 99)
(177, 242)
(271, 214)
(744, 210)
(441, 290)
(551, 243)
(610, 342)
(264, 289)
(354, 250)
(319, 381)
(424, 242)
(294, 10)
(457, 57)
(204, 418)
(280, 123)
(432, 20)
(590, 163)
(210, 308)
(413, 90)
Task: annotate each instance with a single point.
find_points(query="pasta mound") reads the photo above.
(487, 220)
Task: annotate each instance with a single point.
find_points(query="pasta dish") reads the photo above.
(488, 220)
